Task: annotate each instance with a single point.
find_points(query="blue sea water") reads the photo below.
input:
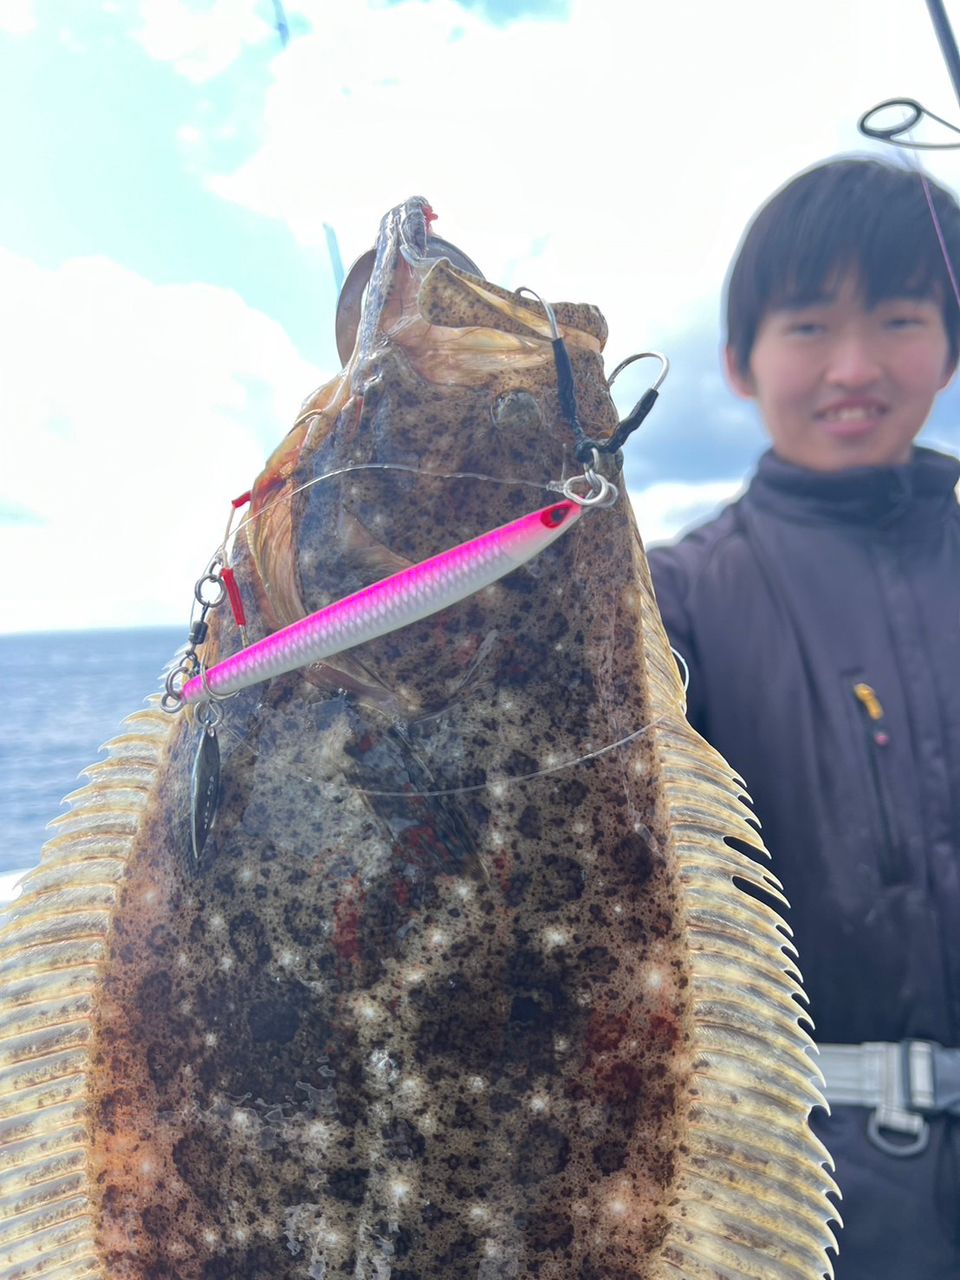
(64, 694)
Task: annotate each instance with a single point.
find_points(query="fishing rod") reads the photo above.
(948, 43)
(908, 111)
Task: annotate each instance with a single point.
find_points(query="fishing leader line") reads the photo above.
(490, 785)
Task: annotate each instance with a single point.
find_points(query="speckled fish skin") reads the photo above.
(495, 1026)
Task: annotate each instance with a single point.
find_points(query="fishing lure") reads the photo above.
(394, 602)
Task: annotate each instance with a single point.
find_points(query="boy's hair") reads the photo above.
(858, 215)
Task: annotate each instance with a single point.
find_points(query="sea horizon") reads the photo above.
(67, 692)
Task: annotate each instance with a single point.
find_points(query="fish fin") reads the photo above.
(53, 939)
(350, 675)
(366, 552)
(752, 1183)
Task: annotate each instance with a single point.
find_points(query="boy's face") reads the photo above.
(842, 385)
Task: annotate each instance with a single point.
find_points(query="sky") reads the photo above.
(167, 295)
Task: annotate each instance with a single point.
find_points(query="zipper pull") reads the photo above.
(868, 699)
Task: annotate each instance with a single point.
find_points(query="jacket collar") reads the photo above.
(916, 490)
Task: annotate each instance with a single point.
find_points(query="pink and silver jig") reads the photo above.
(395, 602)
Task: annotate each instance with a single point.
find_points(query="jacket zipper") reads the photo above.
(878, 739)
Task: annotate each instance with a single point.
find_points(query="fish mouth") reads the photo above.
(418, 244)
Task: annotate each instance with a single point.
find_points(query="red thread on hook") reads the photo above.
(233, 591)
(241, 501)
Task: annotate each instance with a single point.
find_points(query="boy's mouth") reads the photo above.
(851, 416)
(852, 410)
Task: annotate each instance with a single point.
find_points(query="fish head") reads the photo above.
(445, 422)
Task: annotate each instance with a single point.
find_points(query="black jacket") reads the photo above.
(820, 618)
(807, 589)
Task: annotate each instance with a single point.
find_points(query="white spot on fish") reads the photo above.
(245, 875)
(411, 1085)
(413, 977)
(288, 960)
(150, 897)
(211, 1039)
(438, 938)
(539, 1103)
(383, 1065)
(465, 890)
(399, 1189)
(319, 1132)
(217, 922)
(210, 1238)
(554, 937)
(496, 838)
(367, 1010)
(578, 828)
(617, 1206)
(561, 1044)
(549, 760)
(479, 1212)
(639, 766)
(241, 1235)
(498, 790)
(653, 978)
(476, 1084)
(240, 1120)
(183, 960)
(147, 1167)
(618, 908)
(226, 963)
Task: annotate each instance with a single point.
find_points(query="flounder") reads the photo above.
(461, 984)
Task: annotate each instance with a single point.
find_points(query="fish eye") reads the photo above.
(517, 410)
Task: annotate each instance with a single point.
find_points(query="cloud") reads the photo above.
(133, 414)
(201, 43)
(14, 513)
(666, 510)
(611, 157)
(502, 12)
(17, 17)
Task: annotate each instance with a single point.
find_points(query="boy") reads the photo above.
(820, 618)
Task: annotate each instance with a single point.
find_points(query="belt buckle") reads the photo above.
(918, 1073)
(906, 1082)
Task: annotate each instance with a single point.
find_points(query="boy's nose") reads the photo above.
(853, 362)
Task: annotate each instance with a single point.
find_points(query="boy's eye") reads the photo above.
(903, 321)
(806, 328)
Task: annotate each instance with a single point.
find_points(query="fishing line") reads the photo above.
(548, 486)
(491, 785)
(894, 135)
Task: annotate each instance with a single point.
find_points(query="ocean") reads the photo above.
(64, 694)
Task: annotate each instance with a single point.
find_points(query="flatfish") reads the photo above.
(432, 960)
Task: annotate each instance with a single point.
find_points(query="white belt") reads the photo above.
(901, 1083)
